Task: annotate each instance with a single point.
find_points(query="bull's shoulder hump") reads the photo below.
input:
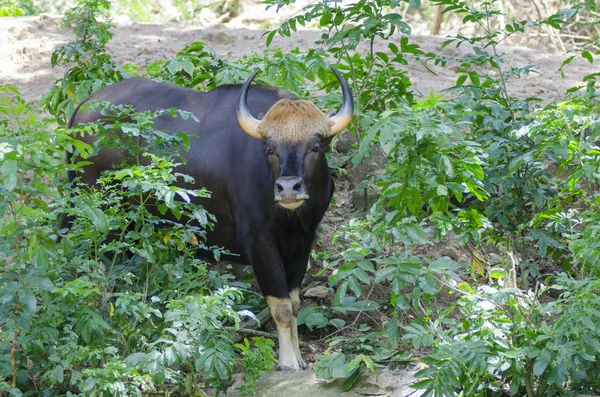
(139, 84)
(258, 88)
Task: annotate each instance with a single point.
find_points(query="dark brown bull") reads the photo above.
(270, 185)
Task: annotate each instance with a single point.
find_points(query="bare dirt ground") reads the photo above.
(26, 44)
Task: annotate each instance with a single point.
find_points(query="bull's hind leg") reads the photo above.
(281, 310)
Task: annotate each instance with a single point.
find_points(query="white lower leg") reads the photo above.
(287, 355)
(281, 310)
(296, 343)
(295, 298)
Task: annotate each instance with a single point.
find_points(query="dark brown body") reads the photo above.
(241, 172)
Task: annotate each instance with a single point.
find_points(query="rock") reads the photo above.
(220, 38)
(305, 383)
(451, 253)
(319, 291)
(369, 389)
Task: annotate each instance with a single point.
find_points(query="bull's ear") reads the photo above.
(326, 143)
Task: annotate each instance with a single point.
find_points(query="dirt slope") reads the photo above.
(26, 44)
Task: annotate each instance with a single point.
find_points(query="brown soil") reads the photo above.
(26, 44)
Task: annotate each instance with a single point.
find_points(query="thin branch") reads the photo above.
(264, 334)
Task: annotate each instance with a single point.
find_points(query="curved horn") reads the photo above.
(344, 116)
(245, 118)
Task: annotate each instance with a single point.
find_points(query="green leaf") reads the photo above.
(354, 285)
(83, 148)
(351, 380)
(474, 77)
(41, 258)
(474, 169)
(324, 21)
(28, 299)
(42, 283)
(9, 174)
(316, 320)
(416, 4)
(589, 323)
(359, 306)
(384, 274)
(422, 384)
(443, 263)
(428, 284)
(541, 363)
(338, 322)
(416, 233)
(270, 37)
(332, 366)
(442, 190)
(587, 55)
(97, 217)
(392, 330)
(188, 67)
(58, 374)
(476, 190)
(121, 174)
(361, 275)
(513, 354)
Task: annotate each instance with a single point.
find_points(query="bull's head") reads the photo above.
(295, 133)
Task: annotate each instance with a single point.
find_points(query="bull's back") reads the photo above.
(223, 158)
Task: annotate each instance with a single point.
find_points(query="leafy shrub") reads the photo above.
(119, 305)
(91, 67)
(255, 361)
(15, 8)
(506, 340)
(483, 165)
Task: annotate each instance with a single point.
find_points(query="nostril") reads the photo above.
(278, 188)
(298, 186)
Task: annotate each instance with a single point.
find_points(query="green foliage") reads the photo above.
(197, 66)
(433, 166)
(334, 365)
(192, 9)
(508, 340)
(255, 361)
(119, 305)
(478, 164)
(91, 67)
(16, 8)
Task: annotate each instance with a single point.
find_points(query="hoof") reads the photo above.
(302, 364)
(292, 366)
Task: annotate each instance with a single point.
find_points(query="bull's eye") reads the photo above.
(270, 152)
(316, 149)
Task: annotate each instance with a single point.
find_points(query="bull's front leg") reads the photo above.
(295, 298)
(285, 320)
(271, 277)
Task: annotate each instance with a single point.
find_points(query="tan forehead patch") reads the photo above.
(292, 121)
